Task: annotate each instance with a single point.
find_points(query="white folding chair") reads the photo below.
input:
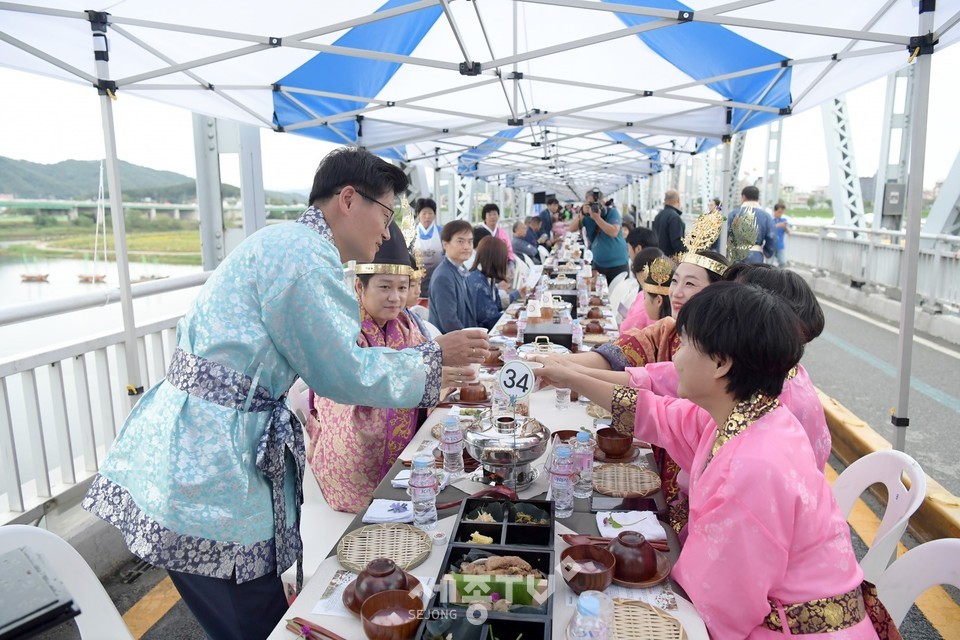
(432, 330)
(886, 467)
(544, 254)
(623, 297)
(620, 277)
(528, 260)
(520, 272)
(99, 618)
(298, 399)
(930, 564)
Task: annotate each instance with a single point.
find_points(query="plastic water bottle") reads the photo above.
(452, 446)
(577, 335)
(561, 481)
(588, 621)
(423, 492)
(583, 462)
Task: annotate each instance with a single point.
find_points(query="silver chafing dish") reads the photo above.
(506, 446)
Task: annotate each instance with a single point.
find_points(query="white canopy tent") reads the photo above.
(557, 95)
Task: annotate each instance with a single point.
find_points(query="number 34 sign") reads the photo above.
(516, 379)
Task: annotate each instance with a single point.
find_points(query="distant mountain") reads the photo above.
(79, 180)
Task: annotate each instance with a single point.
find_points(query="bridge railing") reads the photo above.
(60, 407)
(875, 258)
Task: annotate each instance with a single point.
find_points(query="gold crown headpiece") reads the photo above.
(702, 236)
(659, 271)
(407, 226)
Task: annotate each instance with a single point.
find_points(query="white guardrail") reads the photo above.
(60, 408)
(874, 258)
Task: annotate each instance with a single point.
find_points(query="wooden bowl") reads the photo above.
(587, 567)
(636, 558)
(473, 393)
(493, 357)
(381, 574)
(595, 313)
(596, 301)
(565, 435)
(510, 328)
(391, 615)
(613, 443)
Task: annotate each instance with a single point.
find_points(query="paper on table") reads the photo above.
(331, 602)
(533, 276)
(660, 596)
(643, 522)
(427, 445)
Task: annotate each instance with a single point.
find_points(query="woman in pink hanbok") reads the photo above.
(768, 552)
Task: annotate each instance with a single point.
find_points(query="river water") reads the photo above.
(25, 337)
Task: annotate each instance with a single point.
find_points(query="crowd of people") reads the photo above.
(205, 477)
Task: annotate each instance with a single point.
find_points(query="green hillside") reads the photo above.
(80, 179)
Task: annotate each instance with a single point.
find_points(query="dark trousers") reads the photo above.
(230, 611)
(611, 272)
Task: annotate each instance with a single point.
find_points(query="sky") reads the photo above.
(48, 120)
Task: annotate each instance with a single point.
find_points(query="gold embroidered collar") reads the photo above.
(743, 415)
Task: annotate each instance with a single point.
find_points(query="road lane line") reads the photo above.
(888, 369)
(893, 330)
(151, 608)
(935, 604)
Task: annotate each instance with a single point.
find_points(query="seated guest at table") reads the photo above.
(521, 245)
(417, 313)
(487, 278)
(639, 239)
(351, 447)
(653, 301)
(767, 545)
(450, 305)
(491, 217)
(534, 235)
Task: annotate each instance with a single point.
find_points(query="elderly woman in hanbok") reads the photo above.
(351, 447)
(768, 548)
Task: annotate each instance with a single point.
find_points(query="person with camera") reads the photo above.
(605, 235)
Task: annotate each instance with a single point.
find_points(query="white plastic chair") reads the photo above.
(885, 467)
(930, 564)
(588, 256)
(527, 259)
(623, 297)
(99, 618)
(620, 277)
(432, 330)
(520, 272)
(298, 399)
(544, 254)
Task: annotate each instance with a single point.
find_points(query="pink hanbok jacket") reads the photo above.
(763, 520)
(798, 395)
(636, 317)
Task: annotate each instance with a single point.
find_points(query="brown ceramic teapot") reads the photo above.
(382, 574)
(636, 558)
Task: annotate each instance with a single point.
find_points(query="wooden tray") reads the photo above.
(406, 545)
(625, 480)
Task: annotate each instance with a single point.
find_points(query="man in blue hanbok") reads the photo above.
(204, 479)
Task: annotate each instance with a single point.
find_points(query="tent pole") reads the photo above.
(911, 251)
(131, 377)
(726, 192)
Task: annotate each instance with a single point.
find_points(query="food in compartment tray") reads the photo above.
(483, 516)
(478, 538)
(500, 566)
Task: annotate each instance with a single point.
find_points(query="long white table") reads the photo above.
(542, 407)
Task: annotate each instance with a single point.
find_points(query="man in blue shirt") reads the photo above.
(522, 244)
(783, 228)
(605, 235)
(766, 244)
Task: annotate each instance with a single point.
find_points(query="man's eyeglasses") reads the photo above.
(389, 209)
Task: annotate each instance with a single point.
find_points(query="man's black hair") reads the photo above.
(751, 193)
(552, 200)
(789, 286)
(425, 203)
(358, 168)
(479, 233)
(452, 228)
(642, 237)
(756, 329)
(645, 257)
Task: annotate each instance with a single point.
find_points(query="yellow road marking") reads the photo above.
(151, 607)
(935, 604)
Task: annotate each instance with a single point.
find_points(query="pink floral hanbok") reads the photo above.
(766, 539)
